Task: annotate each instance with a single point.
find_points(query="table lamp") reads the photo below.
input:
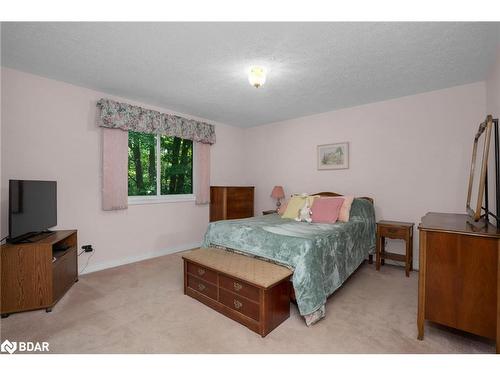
(278, 193)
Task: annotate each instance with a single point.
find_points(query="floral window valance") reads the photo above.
(129, 117)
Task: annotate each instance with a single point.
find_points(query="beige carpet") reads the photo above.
(140, 308)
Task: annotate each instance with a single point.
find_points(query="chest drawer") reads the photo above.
(237, 303)
(393, 232)
(239, 203)
(239, 287)
(202, 286)
(202, 273)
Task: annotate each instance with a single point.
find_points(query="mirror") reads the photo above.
(478, 168)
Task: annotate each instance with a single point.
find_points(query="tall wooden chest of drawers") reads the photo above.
(231, 202)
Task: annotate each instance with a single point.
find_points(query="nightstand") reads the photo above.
(268, 212)
(399, 230)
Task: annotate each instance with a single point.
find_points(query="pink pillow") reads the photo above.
(346, 208)
(326, 209)
(283, 207)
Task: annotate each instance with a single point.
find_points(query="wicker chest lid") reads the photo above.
(254, 271)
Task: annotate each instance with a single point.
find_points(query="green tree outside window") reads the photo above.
(174, 165)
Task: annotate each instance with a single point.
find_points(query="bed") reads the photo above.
(322, 256)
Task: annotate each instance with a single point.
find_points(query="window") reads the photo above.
(159, 166)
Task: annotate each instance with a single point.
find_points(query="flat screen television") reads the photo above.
(32, 208)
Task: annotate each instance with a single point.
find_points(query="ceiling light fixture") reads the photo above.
(257, 76)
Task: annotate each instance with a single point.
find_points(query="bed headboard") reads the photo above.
(332, 194)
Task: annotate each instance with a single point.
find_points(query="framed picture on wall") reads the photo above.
(333, 156)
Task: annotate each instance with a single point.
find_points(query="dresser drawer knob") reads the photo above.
(201, 287)
(237, 286)
(237, 304)
(201, 271)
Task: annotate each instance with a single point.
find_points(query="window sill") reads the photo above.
(133, 201)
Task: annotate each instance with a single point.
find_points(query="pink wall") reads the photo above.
(410, 154)
(493, 89)
(49, 132)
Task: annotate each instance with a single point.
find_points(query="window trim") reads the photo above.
(153, 199)
(168, 198)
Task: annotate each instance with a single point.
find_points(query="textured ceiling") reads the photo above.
(199, 68)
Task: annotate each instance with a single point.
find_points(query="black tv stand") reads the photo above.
(31, 237)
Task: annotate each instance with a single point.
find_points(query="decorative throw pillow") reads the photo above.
(295, 203)
(326, 209)
(312, 198)
(346, 208)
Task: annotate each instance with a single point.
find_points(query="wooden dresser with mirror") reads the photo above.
(459, 275)
(459, 283)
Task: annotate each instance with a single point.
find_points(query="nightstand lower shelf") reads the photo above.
(393, 256)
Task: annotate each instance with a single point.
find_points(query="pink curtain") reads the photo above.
(202, 153)
(114, 169)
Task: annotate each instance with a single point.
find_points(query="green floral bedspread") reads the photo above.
(321, 255)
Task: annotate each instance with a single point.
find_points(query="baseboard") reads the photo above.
(149, 255)
(154, 254)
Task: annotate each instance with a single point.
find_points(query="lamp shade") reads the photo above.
(278, 192)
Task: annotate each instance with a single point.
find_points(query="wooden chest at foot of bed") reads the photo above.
(252, 292)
